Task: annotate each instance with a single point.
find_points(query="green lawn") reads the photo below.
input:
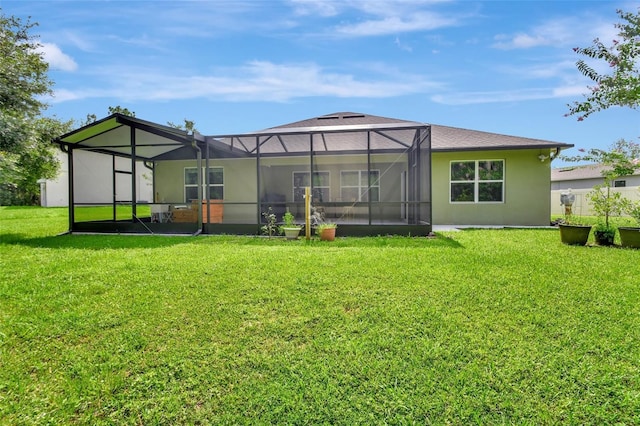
(472, 327)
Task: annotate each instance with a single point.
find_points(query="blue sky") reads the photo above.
(238, 66)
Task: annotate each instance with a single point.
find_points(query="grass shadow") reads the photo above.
(126, 241)
(94, 242)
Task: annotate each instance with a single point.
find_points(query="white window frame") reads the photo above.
(477, 181)
(204, 185)
(362, 189)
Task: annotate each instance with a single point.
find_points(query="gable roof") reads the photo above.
(115, 133)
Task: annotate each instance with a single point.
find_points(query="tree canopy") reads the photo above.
(23, 80)
(26, 152)
(621, 86)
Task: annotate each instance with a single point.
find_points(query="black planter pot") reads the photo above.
(574, 235)
(630, 237)
(604, 238)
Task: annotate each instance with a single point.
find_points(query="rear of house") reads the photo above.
(372, 175)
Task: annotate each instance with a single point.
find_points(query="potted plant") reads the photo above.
(326, 231)
(573, 233)
(605, 204)
(289, 228)
(621, 160)
(630, 236)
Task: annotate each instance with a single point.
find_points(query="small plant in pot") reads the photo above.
(289, 228)
(326, 231)
(605, 204)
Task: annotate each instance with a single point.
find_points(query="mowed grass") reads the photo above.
(472, 327)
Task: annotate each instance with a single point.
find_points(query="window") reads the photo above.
(321, 190)
(358, 185)
(619, 183)
(216, 184)
(479, 181)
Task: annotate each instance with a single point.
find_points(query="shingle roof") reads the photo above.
(589, 171)
(444, 138)
(344, 119)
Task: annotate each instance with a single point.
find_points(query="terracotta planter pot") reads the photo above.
(328, 234)
(630, 237)
(574, 235)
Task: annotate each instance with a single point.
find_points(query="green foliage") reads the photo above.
(23, 81)
(622, 86)
(472, 327)
(325, 225)
(606, 203)
(287, 219)
(269, 228)
(622, 159)
(189, 126)
(120, 110)
(20, 172)
(633, 210)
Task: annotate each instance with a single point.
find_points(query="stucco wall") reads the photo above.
(240, 181)
(526, 193)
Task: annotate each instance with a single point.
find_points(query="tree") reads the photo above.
(189, 126)
(20, 172)
(621, 87)
(23, 80)
(121, 110)
(622, 159)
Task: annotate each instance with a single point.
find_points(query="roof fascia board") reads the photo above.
(86, 127)
(502, 148)
(155, 129)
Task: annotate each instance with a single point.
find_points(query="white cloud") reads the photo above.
(255, 81)
(56, 58)
(501, 96)
(324, 8)
(403, 46)
(571, 31)
(555, 32)
(419, 21)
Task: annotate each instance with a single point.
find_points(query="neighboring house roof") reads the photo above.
(588, 171)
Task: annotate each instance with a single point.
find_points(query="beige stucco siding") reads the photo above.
(526, 191)
(240, 181)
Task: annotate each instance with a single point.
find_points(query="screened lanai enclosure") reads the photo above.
(370, 175)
